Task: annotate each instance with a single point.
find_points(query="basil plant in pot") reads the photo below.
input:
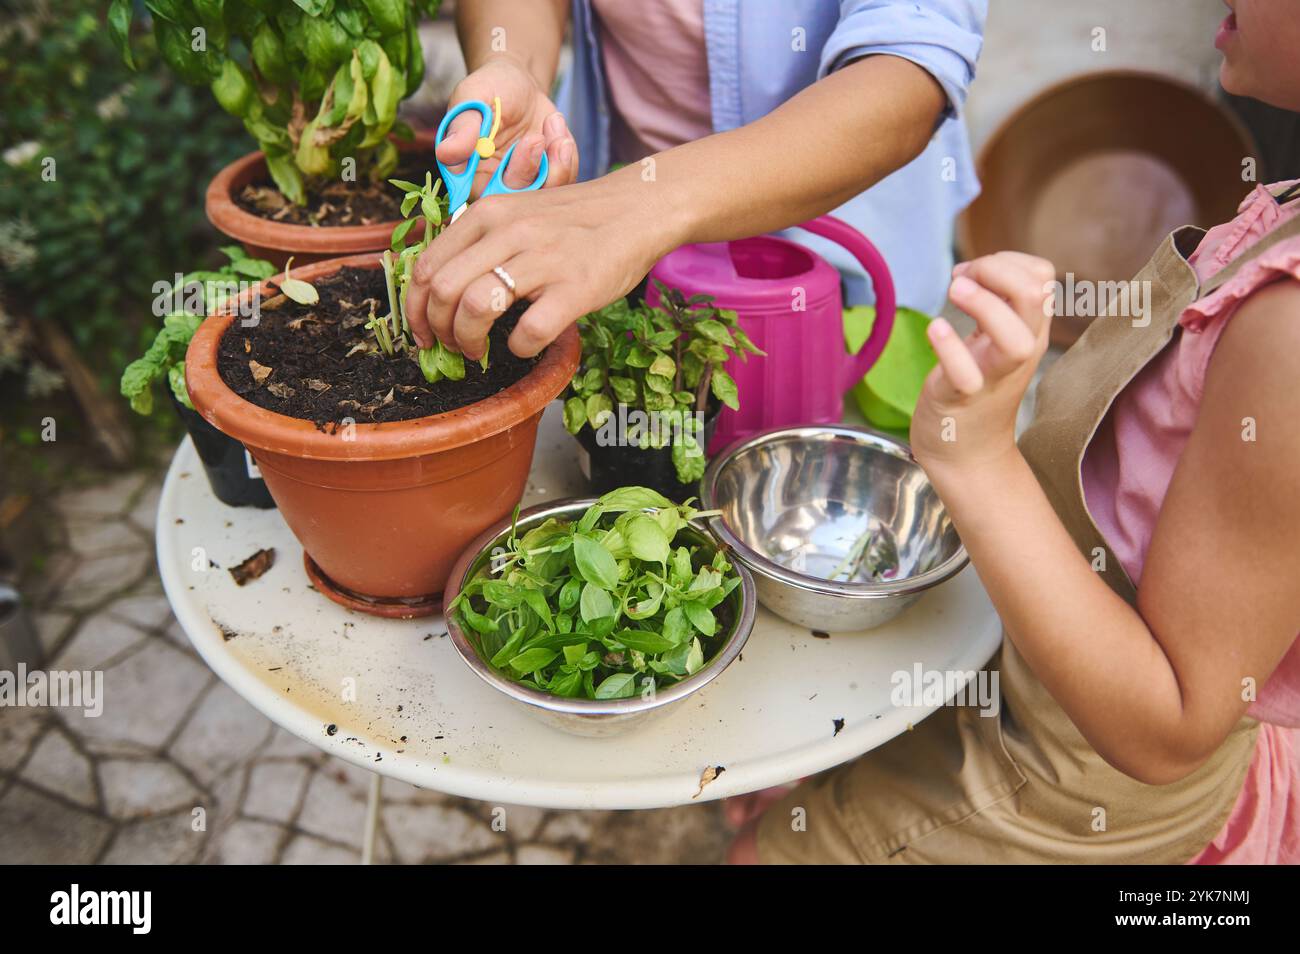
(317, 84)
(647, 396)
(183, 306)
(385, 460)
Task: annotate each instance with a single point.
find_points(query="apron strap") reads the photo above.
(1287, 230)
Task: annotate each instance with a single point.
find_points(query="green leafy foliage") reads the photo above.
(437, 362)
(315, 82)
(609, 606)
(667, 361)
(201, 293)
(101, 180)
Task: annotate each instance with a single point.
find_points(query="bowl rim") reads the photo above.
(766, 567)
(568, 506)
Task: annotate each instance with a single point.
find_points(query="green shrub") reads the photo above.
(101, 179)
(316, 82)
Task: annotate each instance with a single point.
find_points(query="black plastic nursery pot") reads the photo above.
(227, 464)
(609, 465)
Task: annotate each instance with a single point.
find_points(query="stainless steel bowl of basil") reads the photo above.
(538, 612)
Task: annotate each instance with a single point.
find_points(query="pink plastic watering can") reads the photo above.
(788, 301)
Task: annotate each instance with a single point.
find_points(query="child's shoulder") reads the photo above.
(1259, 349)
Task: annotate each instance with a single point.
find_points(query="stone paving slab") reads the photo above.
(179, 769)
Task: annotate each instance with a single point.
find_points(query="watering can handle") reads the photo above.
(857, 244)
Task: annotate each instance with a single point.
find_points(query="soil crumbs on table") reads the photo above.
(332, 203)
(320, 363)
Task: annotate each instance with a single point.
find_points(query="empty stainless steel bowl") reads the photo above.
(594, 717)
(839, 525)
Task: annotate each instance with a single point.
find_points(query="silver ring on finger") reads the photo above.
(504, 277)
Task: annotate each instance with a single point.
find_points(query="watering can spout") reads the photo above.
(857, 244)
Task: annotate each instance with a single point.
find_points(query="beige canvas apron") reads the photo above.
(1024, 786)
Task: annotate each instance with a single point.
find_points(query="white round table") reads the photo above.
(395, 698)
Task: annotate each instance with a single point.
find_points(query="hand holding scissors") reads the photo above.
(459, 184)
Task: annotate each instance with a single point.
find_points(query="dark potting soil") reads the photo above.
(308, 362)
(333, 203)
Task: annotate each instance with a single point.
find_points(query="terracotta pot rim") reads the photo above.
(965, 238)
(279, 433)
(229, 219)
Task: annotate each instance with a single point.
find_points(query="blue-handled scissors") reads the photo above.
(459, 184)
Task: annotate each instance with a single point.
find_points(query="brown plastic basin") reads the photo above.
(1094, 172)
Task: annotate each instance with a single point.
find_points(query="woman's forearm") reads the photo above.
(834, 139)
(531, 31)
(1091, 649)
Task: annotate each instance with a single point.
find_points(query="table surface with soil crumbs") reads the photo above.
(394, 696)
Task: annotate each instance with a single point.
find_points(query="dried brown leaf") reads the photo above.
(254, 566)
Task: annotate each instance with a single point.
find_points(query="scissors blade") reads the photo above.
(459, 212)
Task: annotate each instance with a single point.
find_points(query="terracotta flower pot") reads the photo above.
(276, 241)
(384, 510)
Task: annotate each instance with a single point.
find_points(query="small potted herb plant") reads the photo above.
(229, 469)
(385, 460)
(651, 385)
(317, 84)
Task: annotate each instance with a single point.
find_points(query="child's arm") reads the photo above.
(1156, 690)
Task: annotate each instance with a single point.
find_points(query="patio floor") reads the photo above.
(179, 769)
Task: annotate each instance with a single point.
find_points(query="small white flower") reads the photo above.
(23, 152)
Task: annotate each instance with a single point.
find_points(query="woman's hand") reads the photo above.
(568, 251)
(967, 411)
(528, 118)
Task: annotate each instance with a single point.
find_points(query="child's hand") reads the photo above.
(967, 411)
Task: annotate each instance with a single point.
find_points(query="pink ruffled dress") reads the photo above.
(1127, 471)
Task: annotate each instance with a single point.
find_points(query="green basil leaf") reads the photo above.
(475, 620)
(595, 603)
(569, 594)
(399, 234)
(450, 363)
(701, 617)
(598, 408)
(568, 685)
(634, 498)
(575, 414)
(510, 649)
(677, 626)
(595, 564)
(531, 660)
(646, 539)
(695, 658)
(724, 389)
(536, 601)
(621, 685)
(644, 641)
(119, 28)
(715, 331)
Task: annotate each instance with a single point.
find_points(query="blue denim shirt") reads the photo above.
(762, 52)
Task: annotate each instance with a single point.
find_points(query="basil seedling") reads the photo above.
(664, 360)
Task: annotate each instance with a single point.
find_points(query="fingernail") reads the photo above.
(554, 125)
(939, 328)
(961, 285)
(566, 152)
